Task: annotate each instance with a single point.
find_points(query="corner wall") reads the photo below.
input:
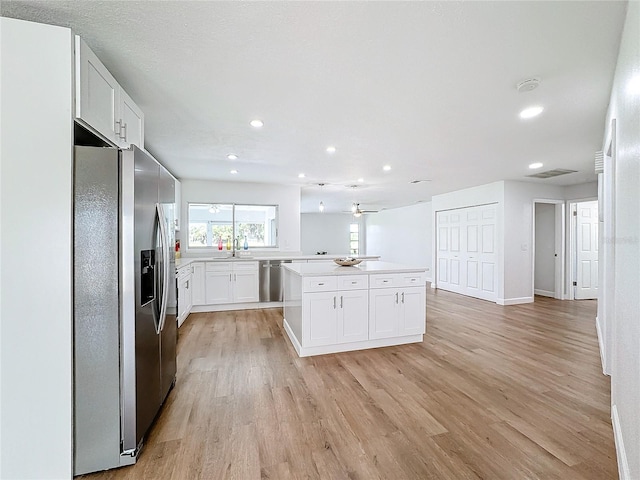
(518, 237)
(624, 108)
(402, 235)
(329, 232)
(36, 212)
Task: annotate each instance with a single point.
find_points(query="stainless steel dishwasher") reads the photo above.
(271, 280)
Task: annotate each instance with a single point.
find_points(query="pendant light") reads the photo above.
(321, 206)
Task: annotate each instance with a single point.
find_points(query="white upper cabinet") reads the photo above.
(97, 92)
(131, 123)
(102, 104)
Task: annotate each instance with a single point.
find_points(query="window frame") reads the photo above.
(357, 233)
(214, 247)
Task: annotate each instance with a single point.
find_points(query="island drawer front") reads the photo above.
(319, 284)
(384, 280)
(353, 282)
(218, 266)
(413, 280)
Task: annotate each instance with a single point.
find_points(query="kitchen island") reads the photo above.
(329, 308)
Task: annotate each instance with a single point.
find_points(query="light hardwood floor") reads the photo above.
(492, 393)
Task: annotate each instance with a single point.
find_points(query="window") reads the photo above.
(354, 239)
(212, 223)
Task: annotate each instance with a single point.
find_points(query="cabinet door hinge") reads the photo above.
(575, 284)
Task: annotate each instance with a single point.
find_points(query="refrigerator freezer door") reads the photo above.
(96, 311)
(169, 333)
(147, 340)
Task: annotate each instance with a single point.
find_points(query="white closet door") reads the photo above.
(450, 243)
(587, 251)
(488, 258)
(466, 251)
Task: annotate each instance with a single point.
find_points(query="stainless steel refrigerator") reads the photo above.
(124, 302)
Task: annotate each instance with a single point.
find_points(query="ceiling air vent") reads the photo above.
(551, 173)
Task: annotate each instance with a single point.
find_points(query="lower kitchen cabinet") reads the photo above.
(326, 313)
(396, 312)
(185, 299)
(336, 317)
(231, 282)
(337, 308)
(197, 283)
(217, 288)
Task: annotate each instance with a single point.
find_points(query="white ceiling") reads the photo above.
(426, 87)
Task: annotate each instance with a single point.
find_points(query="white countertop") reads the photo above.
(365, 268)
(184, 261)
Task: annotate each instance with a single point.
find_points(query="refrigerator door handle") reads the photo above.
(165, 266)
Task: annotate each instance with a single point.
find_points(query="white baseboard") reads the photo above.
(225, 307)
(514, 301)
(623, 463)
(603, 361)
(544, 293)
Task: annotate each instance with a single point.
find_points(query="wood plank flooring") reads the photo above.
(492, 393)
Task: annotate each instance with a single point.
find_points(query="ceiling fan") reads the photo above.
(357, 211)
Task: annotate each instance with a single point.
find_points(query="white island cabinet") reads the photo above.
(330, 309)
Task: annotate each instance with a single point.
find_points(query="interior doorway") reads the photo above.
(584, 254)
(548, 257)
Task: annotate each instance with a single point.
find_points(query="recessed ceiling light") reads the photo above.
(531, 112)
(386, 168)
(233, 172)
(301, 175)
(232, 156)
(331, 149)
(535, 165)
(257, 123)
(360, 180)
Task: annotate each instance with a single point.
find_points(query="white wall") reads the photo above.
(514, 200)
(286, 197)
(328, 232)
(582, 191)
(402, 235)
(36, 151)
(518, 236)
(624, 107)
(545, 236)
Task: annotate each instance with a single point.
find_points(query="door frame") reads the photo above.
(572, 206)
(605, 316)
(559, 245)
